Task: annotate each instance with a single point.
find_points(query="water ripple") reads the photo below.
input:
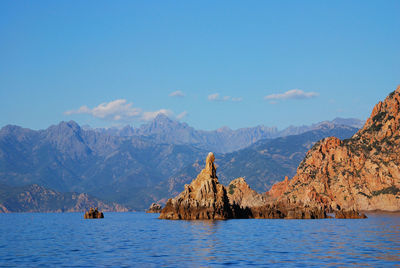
(139, 239)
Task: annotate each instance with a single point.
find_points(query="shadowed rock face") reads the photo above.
(204, 198)
(282, 210)
(349, 214)
(361, 173)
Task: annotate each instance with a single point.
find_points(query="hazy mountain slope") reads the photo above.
(34, 198)
(66, 158)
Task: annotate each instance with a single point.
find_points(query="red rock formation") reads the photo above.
(361, 173)
(247, 203)
(154, 208)
(279, 188)
(204, 198)
(240, 193)
(93, 214)
(349, 214)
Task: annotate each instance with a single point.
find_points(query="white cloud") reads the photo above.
(213, 97)
(115, 110)
(182, 115)
(147, 116)
(177, 93)
(119, 110)
(292, 94)
(217, 97)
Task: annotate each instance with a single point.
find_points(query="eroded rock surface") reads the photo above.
(240, 193)
(154, 208)
(349, 214)
(93, 214)
(204, 198)
(361, 173)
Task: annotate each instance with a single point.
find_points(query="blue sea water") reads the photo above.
(142, 240)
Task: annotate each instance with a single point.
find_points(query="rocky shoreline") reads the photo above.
(206, 199)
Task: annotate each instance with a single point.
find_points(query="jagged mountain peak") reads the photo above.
(161, 123)
(67, 125)
(62, 129)
(161, 117)
(353, 122)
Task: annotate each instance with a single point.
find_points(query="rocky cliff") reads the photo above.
(204, 198)
(361, 173)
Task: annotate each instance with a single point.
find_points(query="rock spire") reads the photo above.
(204, 198)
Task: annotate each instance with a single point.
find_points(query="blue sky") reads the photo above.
(207, 63)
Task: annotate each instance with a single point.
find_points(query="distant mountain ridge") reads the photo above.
(126, 169)
(223, 140)
(67, 158)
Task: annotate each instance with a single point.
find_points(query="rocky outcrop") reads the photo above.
(93, 214)
(240, 193)
(361, 173)
(204, 198)
(279, 188)
(349, 214)
(281, 210)
(154, 208)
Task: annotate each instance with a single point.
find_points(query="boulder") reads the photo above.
(154, 208)
(93, 214)
(349, 214)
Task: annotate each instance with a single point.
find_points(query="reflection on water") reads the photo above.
(204, 238)
(139, 239)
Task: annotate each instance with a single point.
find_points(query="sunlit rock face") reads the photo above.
(154, 208)
(361, 173)
(204, 198)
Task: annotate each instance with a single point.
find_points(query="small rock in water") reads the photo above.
(349, 214)
(154, 208)
(93, 214)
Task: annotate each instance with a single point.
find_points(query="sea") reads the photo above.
(138, 239)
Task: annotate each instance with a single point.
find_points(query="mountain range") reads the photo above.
(137, 166)
(223, 140)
